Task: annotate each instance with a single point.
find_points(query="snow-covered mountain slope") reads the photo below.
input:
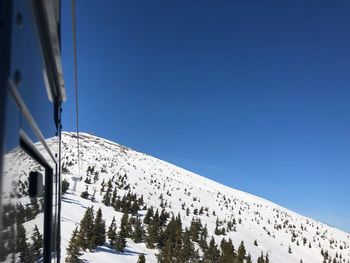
(286, 236)
(271, 225)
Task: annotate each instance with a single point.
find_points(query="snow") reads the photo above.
(151, 177)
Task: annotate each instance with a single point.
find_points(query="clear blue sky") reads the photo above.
(253, 94)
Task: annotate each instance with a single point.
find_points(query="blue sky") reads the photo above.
(253, 94)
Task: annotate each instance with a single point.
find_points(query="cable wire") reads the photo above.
(76, 81)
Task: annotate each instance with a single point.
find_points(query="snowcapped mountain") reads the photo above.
(263, 226)
(271, 225)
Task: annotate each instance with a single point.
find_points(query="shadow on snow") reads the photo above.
(126, 252)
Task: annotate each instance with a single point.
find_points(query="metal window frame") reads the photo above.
(6, 7)
(47, 29)
(47, 23)
(28, 147)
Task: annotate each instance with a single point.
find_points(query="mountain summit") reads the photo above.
(264, 227)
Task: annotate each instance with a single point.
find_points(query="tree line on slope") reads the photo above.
(131, 204)
(160, 231)
(28, 252)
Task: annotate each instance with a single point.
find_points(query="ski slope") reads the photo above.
(151, 177)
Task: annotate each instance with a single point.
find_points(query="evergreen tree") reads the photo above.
(85, 195)
(22, 246)
(228, 255)
(107, 199)
(35, 206)
(152, 231)
(195, 229)
(217, 231)
(120, 241)
(212, 254)
(73, 252)
(134, 209)
(152, 235)
(261, 258)
(21, 214)
(163, 218)
(114, 196)
(92, 242)
(156, 219)
(138, 233)
(203, 238)
(86, 232)
(125, 226)
(112, 232)
(188, 252)
(141, 259)
(148, 216)
(241, 253)
(170, 252)
(249, 259)
(99, 229)
(167, 253)
(37, 240)
(65, 186)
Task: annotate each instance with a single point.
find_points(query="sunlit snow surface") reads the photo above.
(150, 177)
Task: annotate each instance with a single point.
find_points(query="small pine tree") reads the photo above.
(99, 229)
(120, 241)
(35, 206)
(255, 243)
(107, 198)
(125, 226)
(65, 186)
(227, 251)
(85, 195)
(112, 232)
(141, 259)
(249, 259)
(138, 233)
(187, 252)
(241, 253)
(114, 196)
(86, 232)
(212, 254)
(73, 252)
(148, 216)
(203, 238)
(152, 231)
(261, 258)
(37, 240)
(22, 245)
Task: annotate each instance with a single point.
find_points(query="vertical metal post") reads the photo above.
(48, 215)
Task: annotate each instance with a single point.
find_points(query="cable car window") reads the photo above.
(28, 70)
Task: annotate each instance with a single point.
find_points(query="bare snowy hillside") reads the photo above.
(228, 213)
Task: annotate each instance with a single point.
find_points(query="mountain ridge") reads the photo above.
(84, 134)
(160, 177)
